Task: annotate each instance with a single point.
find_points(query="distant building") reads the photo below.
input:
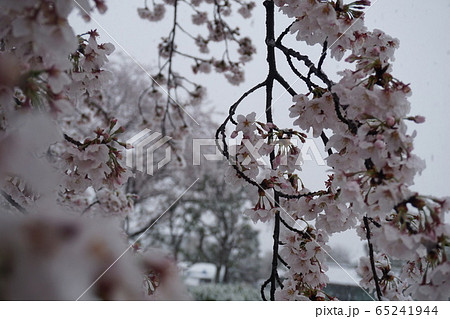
(344, 284)
(198, 274)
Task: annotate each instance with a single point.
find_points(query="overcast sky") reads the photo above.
(423, 60)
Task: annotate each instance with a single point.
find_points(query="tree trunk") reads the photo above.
(226, 275)
(218, 271)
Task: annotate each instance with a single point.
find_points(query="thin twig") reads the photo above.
(72, 140)
(352, 125)
(263, 287)
(13, 203)
(283, 262)
(324, 138)
(89, 207)
(295, 230)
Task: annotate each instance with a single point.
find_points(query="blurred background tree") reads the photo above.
(207, 225)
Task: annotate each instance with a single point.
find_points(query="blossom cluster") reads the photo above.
(305, 253)
(171, 95)
(88, 73)
(52, 89)
(371, 161)
(218, 30)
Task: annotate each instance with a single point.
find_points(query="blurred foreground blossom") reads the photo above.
(54, 257)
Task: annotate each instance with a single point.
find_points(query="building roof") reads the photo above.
(201, 270)
(347, 276)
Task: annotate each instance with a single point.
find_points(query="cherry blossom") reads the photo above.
(49, 75)
(371, 159)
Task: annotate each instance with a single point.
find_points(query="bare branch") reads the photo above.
(13, 203)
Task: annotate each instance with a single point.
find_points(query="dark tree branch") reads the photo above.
(307, 81)
(323, 55)
(263, 287)
(324, 138)
(72, 140)
(271, 77)
(295, 230)
(283, 262)
(284, 33)
(372, 260)
(286, 85)
(352, 125)
(377, 224)
(170, 76)
(311, 85)
(279, 280)
(233, 108)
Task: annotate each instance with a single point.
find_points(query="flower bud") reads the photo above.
(419, 119)
(390, 121)
(379, 144)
